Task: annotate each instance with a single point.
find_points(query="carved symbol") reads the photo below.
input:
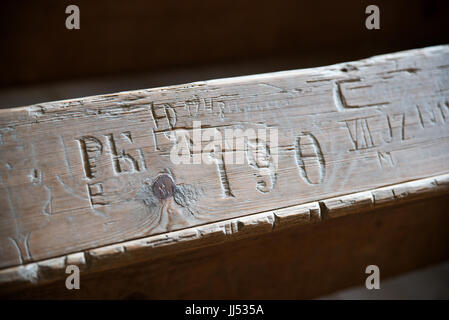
(193, 106)
(430, 115)
(163, 187)
(95, 194)
(22, 244)
(35, 176)
(385, 159)
(442, 107)
(308, 148)
(142, 159)
(218, 157)
(127, 136)
(153, 134)
(47, 209)
(339, 98)
(340, 101)
(391, 125)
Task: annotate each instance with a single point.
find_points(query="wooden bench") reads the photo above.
(129, 188)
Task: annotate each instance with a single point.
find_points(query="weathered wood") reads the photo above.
(400, 197)
(82, 178)
(117, 38)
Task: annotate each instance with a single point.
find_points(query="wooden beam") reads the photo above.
(97, 181)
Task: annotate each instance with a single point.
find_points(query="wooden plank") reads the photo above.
(90, 172)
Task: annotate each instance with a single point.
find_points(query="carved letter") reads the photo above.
(308, 148)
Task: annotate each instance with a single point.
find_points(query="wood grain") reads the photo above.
(91, 172)
(117, 38)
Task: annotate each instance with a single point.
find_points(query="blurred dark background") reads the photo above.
(125, 45)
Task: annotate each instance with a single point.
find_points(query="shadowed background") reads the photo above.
(127, 45)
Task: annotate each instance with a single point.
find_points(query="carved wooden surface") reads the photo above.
(302, 261)
(404, 202)
(91, 172)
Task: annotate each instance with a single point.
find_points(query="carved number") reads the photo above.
(308, 152)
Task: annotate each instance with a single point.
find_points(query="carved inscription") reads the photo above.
(164, 111)
(433, 114)
(341, 130)
(385, 159)
(259, 157)
(218, 157)
(395, 121)
(91, 149)
(96, 195)
(310, 159)
(378, 132)
(122, 162)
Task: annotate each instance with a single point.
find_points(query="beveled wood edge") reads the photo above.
(138, 250)
(62, 104)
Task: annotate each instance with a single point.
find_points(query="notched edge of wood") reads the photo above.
(128, 252)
